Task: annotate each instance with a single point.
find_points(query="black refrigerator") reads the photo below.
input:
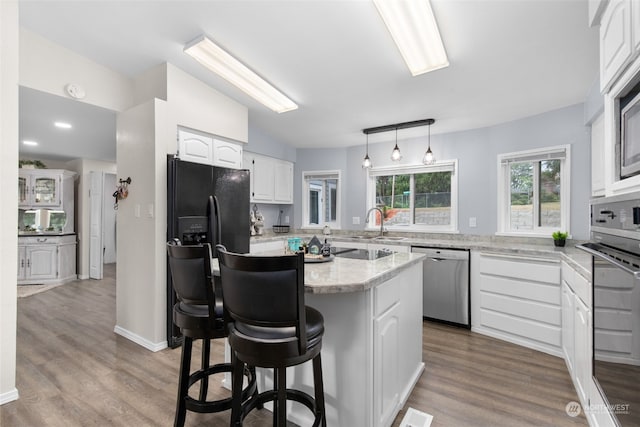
(205, 204)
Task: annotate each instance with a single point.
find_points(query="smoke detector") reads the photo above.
(75, 91)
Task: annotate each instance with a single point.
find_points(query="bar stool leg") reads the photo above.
(183, 381)
(281, 404)
(319, 389)
(236, 391)
(204, 382)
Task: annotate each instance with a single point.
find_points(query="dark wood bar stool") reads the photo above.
(271, 328)
(199, 315)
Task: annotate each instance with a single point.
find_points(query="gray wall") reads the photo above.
(476, 151)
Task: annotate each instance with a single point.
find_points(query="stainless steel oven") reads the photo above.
(615, 248)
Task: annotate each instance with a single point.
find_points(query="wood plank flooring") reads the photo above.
(73, 370)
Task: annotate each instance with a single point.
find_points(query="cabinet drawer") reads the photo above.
(38, 240)
(385, 296)
(580, 286)
(538, 269)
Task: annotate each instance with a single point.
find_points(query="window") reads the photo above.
(415, 197)
(321, 195)
(533, 191)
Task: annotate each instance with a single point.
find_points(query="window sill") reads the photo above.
(523, 234)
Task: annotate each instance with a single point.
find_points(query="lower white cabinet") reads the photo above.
(386, 366)
(517, 299)
(46, 259)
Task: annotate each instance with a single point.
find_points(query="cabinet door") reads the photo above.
(227, 154)
(24, 190)
(583, 349)
(568, 330)
(193, 147)
(46, 190)
(615, 41)
(41, 262)
(386, 365)
(263, 179)
(283, 182)
(22, 263)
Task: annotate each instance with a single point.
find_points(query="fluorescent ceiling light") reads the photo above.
(226, 66)
(415, 32)
(27, 142)
(63, 125)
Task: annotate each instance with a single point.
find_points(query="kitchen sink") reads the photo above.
(388, 238)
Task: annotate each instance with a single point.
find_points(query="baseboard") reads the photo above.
(504, 336)
(149, 345)
(9, 396)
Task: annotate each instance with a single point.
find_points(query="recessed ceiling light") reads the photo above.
(27, 142)
(414, 29)
(229, 68)
(63, 125)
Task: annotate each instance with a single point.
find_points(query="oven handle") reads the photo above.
(634, 273)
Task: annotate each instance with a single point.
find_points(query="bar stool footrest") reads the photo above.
(209, 406)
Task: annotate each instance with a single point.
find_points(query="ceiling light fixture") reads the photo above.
(428, 158)
(366, 163)
(63, 125)
(27, 142)
(396, 155)
(226, 66)
(414, 30)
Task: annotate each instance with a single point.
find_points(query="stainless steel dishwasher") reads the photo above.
(445, 284)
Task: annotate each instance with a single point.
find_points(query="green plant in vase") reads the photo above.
(559, 238)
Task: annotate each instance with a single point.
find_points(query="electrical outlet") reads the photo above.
(473, 222)
(355, 220)
(286, 219)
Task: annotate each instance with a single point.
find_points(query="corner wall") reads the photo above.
(9, 210)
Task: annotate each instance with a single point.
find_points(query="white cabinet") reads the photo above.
(577, 330)
(43, 188)
(46, 259)
(202, 148)
(271, 179)
(616, 40)
(227, 154)
(517, 299)
(386, 364)
(283, 182)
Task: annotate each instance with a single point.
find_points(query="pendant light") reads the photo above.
(428, 158)
(395, 154)
(366, 162)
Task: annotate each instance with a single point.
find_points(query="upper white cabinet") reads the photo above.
(271, 179)
(617, 34)
(44, 188)
(206, 149)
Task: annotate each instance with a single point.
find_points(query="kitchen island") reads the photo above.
(372, 346)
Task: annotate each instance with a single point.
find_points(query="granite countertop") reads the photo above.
(535, 247)
(43, 233)
(343, 275)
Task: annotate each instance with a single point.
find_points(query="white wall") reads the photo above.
(83, 167)
(8, 210)
(49, 67)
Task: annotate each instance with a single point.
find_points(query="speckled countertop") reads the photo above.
(534, 247)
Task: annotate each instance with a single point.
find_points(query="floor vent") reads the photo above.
(415, 418)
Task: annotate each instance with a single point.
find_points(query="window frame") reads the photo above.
(440, 166)
(328, 174)
(561, 152)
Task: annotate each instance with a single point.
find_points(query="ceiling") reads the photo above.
(335, 59)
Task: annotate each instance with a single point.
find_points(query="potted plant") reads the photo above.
(559, 238)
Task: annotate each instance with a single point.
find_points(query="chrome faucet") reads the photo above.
(381, 218)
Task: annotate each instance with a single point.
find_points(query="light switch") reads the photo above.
(473, 222)
(356, 220)
(150, 210)
(286, 219)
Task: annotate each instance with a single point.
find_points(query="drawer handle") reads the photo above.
(41, 240)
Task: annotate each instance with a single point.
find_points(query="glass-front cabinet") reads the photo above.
(39, 188)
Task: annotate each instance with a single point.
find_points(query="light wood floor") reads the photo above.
(72, 370)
